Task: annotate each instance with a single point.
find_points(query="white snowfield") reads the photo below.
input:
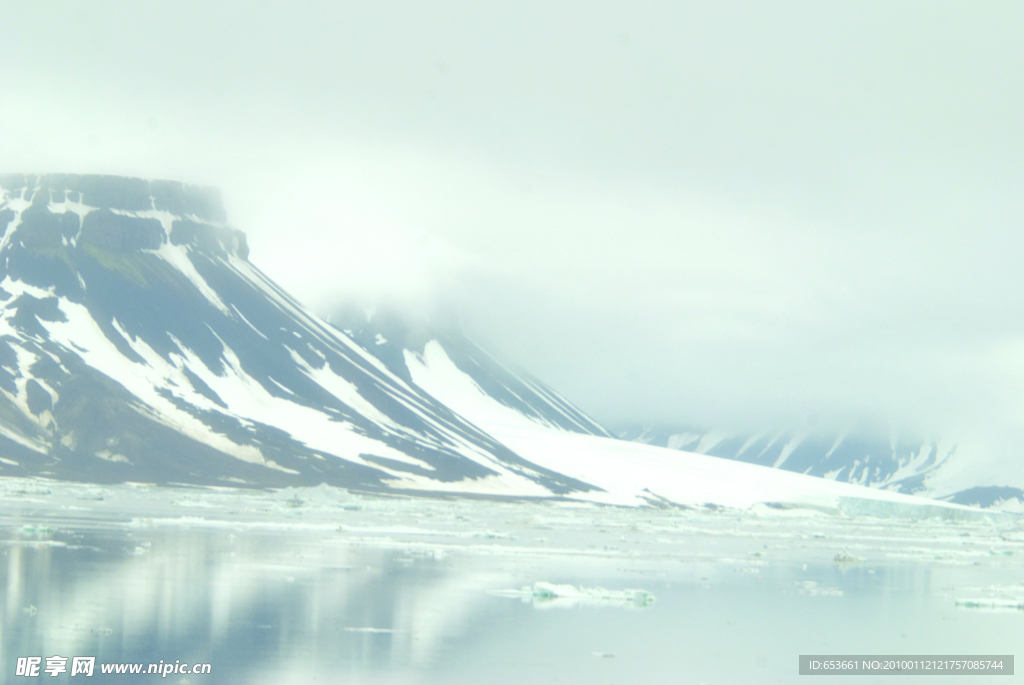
(632, 474)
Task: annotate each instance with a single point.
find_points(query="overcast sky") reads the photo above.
(713, 213)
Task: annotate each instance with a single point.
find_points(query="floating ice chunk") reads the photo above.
(544, 595)
(845, 557)
(991, 604)
(355, 629)
(809, 587)
(492, 535)
(323, 496)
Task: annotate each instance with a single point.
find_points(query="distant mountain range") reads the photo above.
(139, 343)
(865, 455)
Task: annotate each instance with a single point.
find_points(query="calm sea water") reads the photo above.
(288, 604)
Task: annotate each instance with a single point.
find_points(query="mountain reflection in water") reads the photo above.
(421, 591)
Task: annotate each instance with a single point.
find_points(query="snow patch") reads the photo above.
(82, 336)
(17, 205)
(177, 257)
(788, 449)
(678, 441)
(74, 206)
(344, 390)
(709, 440)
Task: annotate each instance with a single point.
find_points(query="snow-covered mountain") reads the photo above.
(139, 343)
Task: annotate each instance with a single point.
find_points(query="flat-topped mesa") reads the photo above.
(120, 193)
(54, 213)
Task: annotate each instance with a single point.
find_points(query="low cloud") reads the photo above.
(705, 214)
